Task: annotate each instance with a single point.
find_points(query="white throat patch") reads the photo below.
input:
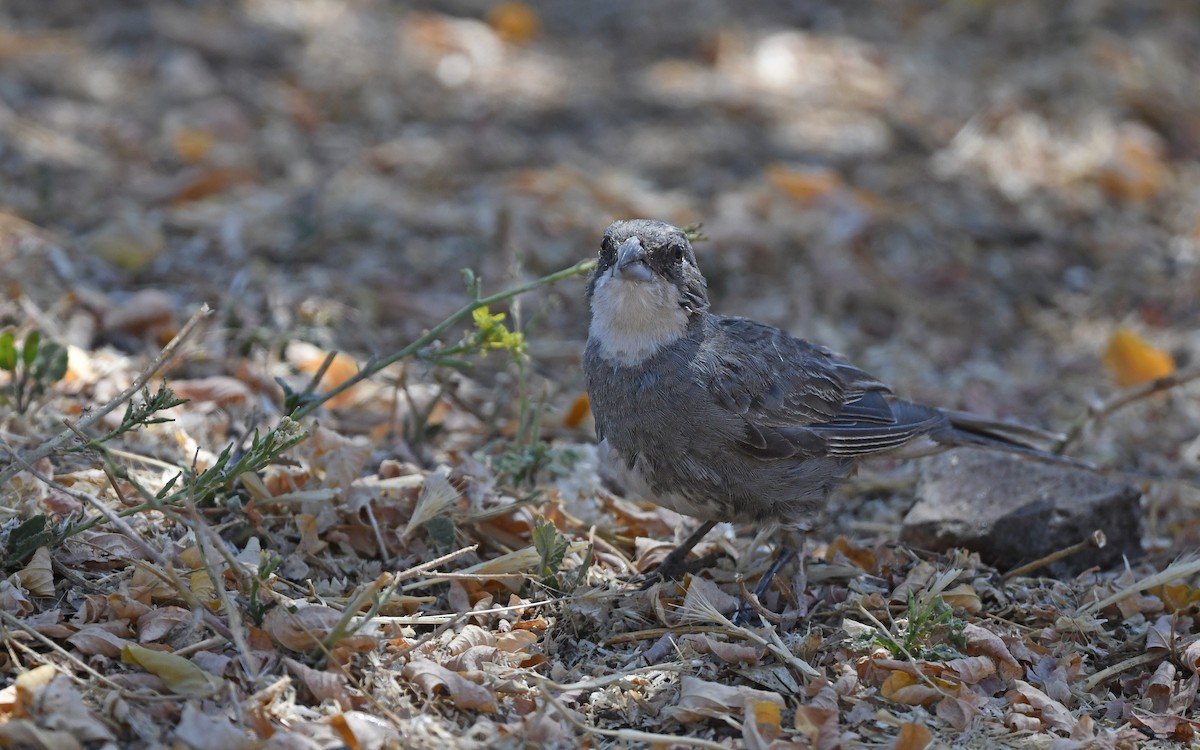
(632, 320)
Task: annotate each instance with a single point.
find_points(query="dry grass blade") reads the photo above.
(1178, 569)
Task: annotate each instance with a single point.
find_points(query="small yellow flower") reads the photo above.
(491, 333)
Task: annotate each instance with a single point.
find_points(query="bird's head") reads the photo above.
(645, 290)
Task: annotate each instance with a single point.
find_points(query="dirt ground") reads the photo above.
(994, 206)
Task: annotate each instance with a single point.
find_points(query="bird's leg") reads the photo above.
(790, 546)
(673, 565)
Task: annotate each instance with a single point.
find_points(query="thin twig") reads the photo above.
(372, 367)
(55, 443)
(1095, 539)
(1096, 412)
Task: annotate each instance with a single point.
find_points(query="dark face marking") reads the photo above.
(669, 255)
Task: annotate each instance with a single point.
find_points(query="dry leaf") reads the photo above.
(303, 629)
(579, 411)
(904, 688)
(699, 699)
(1054, 714)
(762, 722)
(913, 737)
(1136, 171)
(515, 23)
(221, 390)
(36, 577)
(181, 676)
(805, 186)
(958, 710)
(1133, 360)
(56, 704)
(23, 733)
(361, 730)
(819, 724)
(703, 594)
(433, 678)
(94, 639)
(192, 144)
(733, 653)
(323, 685)
(972, 669)
(1160, 686)
(158, 622)
(308, 359)
(204, 731)
(980, 640)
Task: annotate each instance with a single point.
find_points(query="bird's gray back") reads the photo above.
(678, 427)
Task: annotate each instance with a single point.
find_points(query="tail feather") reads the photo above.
(966, 429)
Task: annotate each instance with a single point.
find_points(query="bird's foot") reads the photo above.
(674, 569)
(752, 607)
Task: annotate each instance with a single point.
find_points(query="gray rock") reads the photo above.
(1012, 511)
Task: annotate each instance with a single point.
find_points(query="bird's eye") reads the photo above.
(677, 254)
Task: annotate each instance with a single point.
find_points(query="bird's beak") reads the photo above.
(631, 261)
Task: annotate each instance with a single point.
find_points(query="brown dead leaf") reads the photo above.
(473, 659)
(957, 710)
(1136, 171)
(904, 688)
(964, 597)
(1191, 656)
(323, 685)
(913, 737)
(469, 637)
(980, 640)
(1133, 360)
(702, 593)
(308, 359)
(337, 459)
(302, 629)
(1160, 686)
(13, 600)
(860, 557)
(819, 725)
(209, 181)
(972, 669)
(1176, 596)
(1054, 714)
(24, 733)
(52, 700)
(761, 725)
(36, 577)
(192, 144)
(515, 23)
(579, 411)
(221, 390)
(805, 186)
(211, 731)
(94, 639)
(516, 641)
(362, 730)
(733, 653)
(699, 699)
(1168, 726)
(433, 678)
(158, 622)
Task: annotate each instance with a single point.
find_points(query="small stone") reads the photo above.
(1013, 511)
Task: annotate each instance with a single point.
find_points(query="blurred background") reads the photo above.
(969, 198)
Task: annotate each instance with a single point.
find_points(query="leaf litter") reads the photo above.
(436, 560)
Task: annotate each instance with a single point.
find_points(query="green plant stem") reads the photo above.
(55, 443)
(432, 334)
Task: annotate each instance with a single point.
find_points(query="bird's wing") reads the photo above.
(798, 398)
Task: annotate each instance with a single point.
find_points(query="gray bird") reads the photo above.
(727, 419)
